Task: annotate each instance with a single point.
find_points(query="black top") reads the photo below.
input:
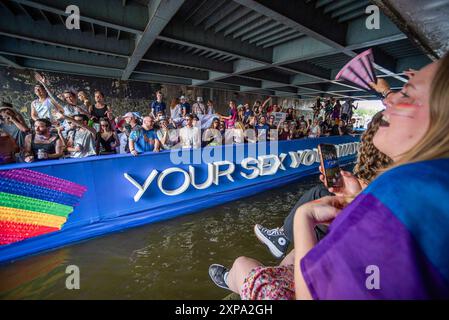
(106, 144)
(99, 113)
(334, 130)
(49, 148)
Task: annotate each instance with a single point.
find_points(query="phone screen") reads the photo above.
(329, 163)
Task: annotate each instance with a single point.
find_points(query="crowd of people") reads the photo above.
(69, 125)
(382, 233)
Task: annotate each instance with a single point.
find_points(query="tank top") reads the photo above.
(49, 148)
(99, 113)
(106, 144)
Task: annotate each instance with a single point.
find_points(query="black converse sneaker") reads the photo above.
(274, 239)
(218, 274)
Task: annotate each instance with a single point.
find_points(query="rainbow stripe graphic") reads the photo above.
(33, 204)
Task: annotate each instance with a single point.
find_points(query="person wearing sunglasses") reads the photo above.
(167, 136)
(107, 139)
(212, 136)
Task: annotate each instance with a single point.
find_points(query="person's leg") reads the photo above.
(312, 194)
(240, 270)
(288, 260)
(278, 240)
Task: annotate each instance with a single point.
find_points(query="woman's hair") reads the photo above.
(371, 161)
(99, 92)
(107, 121)
(435, 143)
(213, 121)
(174, 102)
(239, 125)
(83, 93)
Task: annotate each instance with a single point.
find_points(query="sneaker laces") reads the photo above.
(275, 232)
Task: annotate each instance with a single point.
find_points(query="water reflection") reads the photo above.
(166, 260)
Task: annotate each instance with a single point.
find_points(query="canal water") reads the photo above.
(165, 260)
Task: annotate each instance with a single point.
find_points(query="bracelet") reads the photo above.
(386, 93)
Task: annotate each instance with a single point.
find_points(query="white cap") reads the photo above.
(182, 97)
(129, 115)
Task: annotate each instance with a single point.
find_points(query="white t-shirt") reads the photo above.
(314, 132)
(175, 113)
(172, 139)
(86, 141)
(70, 111)
(214, 134)
(198, 108)
(190, 137)
(123, 142)
(44, 109)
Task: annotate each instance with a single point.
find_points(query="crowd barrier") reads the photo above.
(122, 191)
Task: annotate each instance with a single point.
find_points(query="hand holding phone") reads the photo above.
(330, 165)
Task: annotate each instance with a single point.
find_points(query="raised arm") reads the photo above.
(28, 153)
(64, 142)
(157, 145)
(266, 102)
(41, 79)
(34, 114)
(17, 119)
(79, 123)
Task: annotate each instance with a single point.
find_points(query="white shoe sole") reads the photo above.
(274, 251)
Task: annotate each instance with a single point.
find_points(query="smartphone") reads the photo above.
(329, 163)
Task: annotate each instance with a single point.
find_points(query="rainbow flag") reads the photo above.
(33, 204)
(391, 242)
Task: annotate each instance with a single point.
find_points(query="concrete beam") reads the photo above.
(160, 54)
(159, 79)
(257, 91)
(160, 69)
(40, 51)
(303, 17)
(10, 62)
(414, 62)
(301, 49)
(131, 18)
(161, 12)
(241, 81)
(19, 27)
(188, 35)
(221, 86)
(61, 67)
(221, 14)
(359, 37)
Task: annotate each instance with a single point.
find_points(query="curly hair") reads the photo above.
(370, 161)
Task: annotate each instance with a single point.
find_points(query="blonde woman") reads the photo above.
(397, 225)
(82, 96)
(370, 161)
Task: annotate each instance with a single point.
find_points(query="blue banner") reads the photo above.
(125, 191)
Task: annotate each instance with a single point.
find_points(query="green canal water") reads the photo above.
(165, 260)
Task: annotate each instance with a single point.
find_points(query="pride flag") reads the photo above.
(391, 242)
(33, 204)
